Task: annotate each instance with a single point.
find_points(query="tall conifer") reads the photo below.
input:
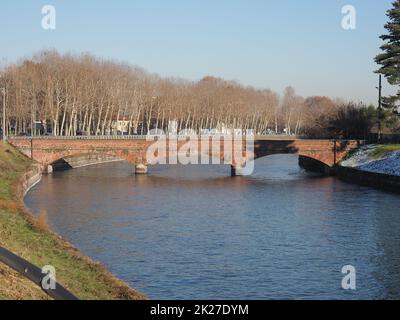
(390, 58)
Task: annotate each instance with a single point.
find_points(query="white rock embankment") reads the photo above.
(364, 160)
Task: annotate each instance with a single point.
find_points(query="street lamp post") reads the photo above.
(4, 115)
(380, 109)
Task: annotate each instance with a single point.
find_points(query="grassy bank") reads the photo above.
(32, 240)
(383, 149)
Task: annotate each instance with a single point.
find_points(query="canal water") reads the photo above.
(194, 232)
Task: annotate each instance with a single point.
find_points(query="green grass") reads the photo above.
(382, 150)
(31, 239)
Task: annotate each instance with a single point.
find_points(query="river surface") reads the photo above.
(194, 232)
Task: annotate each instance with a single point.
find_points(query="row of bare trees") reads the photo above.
(67, 95)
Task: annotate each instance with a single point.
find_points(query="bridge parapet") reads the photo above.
(47, 150)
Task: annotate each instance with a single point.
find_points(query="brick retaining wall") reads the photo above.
(369, 179)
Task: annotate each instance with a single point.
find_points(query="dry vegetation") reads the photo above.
(85, 95)
(15, 287)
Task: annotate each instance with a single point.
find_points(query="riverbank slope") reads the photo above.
(375, 166)
(383, 159)
(31, 239)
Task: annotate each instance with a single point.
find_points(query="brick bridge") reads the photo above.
(48, 150)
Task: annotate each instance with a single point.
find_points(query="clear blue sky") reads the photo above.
(264, 43)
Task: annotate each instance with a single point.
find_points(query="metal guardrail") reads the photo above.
(34, 274)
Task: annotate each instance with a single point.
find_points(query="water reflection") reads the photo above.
(195, 232)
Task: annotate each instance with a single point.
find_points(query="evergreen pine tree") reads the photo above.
(390, 58)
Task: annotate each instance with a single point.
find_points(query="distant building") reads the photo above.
(121, 126)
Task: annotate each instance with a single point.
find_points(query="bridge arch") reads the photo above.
(314, 165)
(81, 160)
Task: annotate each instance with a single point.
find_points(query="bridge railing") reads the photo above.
(156, 137)
(131, 137)
(147, 137)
